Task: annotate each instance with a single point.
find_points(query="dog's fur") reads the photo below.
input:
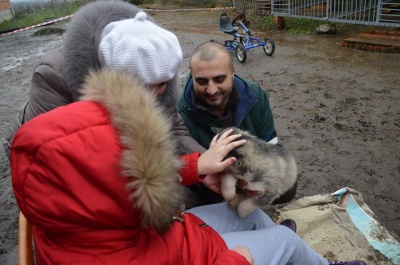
(268, 169)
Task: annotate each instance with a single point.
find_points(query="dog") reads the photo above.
(268, 169)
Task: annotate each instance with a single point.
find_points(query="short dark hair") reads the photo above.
(209, 50)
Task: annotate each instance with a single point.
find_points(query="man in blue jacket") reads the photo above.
(215, 97)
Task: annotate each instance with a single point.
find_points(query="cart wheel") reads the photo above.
(269, 46)
(241, 53)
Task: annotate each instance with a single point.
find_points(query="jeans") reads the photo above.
(270, 244)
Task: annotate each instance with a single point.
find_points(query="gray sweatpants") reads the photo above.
(270, 244)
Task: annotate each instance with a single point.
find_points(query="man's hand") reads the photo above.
(213, 182)
(241, 184)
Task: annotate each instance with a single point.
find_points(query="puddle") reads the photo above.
(12, 56)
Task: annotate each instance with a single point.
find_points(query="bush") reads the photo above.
(136, 2)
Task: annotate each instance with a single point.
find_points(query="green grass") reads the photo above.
(23, 19)
(302, 26)
(294, 26)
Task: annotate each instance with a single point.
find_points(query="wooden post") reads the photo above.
(279, 23)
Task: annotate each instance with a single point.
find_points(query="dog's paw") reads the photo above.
(228, 186)
(228, 194)
(247, 206)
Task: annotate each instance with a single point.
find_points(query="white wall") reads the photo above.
(6, 14)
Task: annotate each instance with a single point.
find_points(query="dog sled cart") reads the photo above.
(243, 42)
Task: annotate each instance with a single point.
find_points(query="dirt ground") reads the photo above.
(336, 109)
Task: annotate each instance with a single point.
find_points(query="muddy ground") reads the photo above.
(336, 109)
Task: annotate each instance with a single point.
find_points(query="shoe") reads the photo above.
(352, 262)
(289, 223)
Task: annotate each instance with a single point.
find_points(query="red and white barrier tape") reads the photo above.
(188, 9)
(38, 25)
(148, 9)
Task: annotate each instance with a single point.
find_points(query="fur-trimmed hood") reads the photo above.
(82, 39)
(149, 159)
(109, 155)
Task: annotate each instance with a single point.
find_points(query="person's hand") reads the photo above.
(241, 184)
(213, 182)
(245, 252)
(211, 161)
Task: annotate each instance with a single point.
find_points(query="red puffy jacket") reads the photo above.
(98, 181)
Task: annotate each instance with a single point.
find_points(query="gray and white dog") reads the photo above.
(268, 169)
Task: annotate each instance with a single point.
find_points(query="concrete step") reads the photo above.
(379, 41)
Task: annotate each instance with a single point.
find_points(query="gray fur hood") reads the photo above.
(82, 39)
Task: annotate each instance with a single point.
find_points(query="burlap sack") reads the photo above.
(341, 226)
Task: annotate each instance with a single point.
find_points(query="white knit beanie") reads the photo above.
(141, 48)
